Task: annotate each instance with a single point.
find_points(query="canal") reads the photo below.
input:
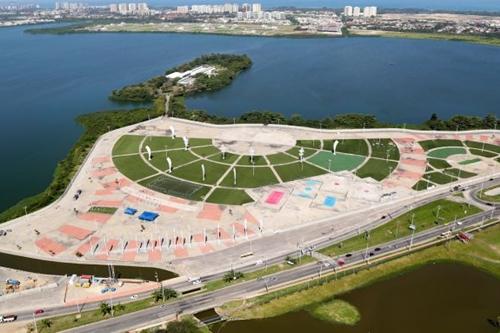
(60, 268)
(434, 298)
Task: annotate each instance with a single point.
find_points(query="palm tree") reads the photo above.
(105, 309)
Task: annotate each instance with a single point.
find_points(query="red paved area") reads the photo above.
(251, 219)
(131, 251)
(198, 238)
(50, 246)
(85, 247)
(167, 209)
(75, 232)
(106, 191)
(154, 255)
(104, 172)
(132, 199)
(101, 159)
(107, 203)
(484, 138)
(96, 217)
(121, 182)
(210, 212)
(180, 252)
(111, 245)
(224, 234)
(206, 248)
(179, 200)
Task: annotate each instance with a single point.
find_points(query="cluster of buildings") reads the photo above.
(430, 22)
(227, 8)
(70, 6)
(369, 11)
(132, 8)
(187, 78)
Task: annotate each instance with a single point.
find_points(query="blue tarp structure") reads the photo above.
(329, 201)
(130, 211)
(148, 216)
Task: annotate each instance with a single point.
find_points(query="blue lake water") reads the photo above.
(47, 80)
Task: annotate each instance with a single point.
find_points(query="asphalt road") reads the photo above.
(245, 289)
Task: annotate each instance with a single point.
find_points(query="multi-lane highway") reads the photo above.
(205, 300)
(245, 289)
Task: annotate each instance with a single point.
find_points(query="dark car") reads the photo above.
(348, 255)
(377, 249)
(39, 311)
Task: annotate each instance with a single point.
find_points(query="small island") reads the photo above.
(206, 73)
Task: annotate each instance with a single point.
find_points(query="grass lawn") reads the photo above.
(180, 157)
(376, 169)
(258, 160)
(127, 144)
(445, 152)
(246, 178)
(439, 178)
(229, 197)
(230, 158)
(477, 253)
(484, 153)
(163, 142)
(103, 210)
(431, 144)
(350, 146)
(213, 171)
(492, 198)
(338, 162)
(193, 142)
(471, 161)
(422, 185)
(309, 143)
(205, 151)
(380, 148)
(295, 152)
(456, 173)
(281, 158)
(168, 185)
(425, 217)
(438, 163)
(158, 160)
(298, 171)
(479, 145)
(133, 167)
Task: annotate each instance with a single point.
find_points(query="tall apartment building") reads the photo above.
(348, 11)
(356, 11)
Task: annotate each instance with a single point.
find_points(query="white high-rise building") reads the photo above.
(356, 11)
(123, 8)
(143, 8)
(113, 8)
(132, 8)
(182, 9)
(348, 11)
(373, 11)
(367, 11)
(256, 7)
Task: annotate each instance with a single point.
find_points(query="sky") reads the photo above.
(486, 5)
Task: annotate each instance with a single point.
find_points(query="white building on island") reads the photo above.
(188, 77)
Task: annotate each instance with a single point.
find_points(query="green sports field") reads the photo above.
(338, 162)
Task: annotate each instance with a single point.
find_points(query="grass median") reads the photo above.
(424, 217)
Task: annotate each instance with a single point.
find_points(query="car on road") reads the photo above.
(7, 319)
(377, 249)
(348, 255)
(133, 297)
(39, 311)
(371, 254)
(340, 262)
